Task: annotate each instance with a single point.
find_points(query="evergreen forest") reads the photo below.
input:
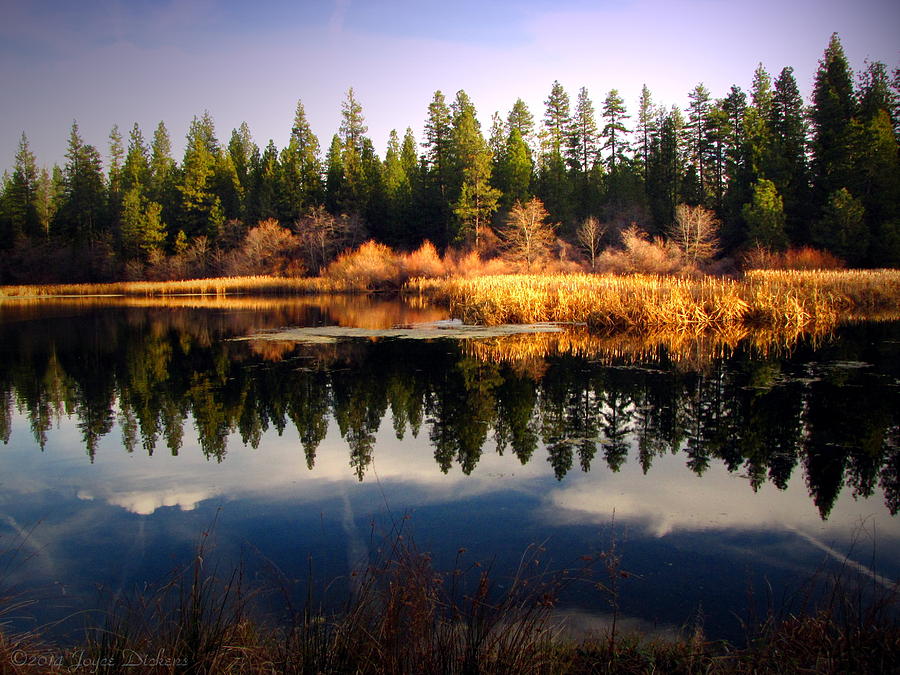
(774, 170)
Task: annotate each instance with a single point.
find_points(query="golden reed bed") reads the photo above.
(762, 299)
(262, 285)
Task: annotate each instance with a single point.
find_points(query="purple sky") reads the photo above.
(106, 62)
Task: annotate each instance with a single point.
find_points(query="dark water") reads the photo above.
(717, 472)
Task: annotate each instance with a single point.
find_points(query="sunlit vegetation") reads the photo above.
(209, 286)
(788, 300)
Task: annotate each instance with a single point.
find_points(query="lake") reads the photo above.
(725, 476)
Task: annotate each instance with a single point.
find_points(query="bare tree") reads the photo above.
(527, 236)
(589, 234)
(695, 232)
(323, 236)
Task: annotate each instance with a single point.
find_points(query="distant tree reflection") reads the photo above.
(834, 411)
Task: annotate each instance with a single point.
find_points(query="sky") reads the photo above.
(106, 62)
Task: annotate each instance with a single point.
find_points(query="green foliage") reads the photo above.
(477, 200)
(21, 196)
(300, 178)
(834, 106)
(842, 228)
(81, 214)
(764, 215)
(614, 130)
(142, 230)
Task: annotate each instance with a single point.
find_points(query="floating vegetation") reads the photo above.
(453, 329)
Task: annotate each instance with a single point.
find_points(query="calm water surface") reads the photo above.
(129, 428)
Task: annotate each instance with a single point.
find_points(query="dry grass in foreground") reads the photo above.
(405, 616)
(763, 299)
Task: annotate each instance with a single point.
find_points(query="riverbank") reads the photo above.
(772, 299)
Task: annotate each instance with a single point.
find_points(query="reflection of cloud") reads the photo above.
(671, 498)
(145, 502)
(143, 484)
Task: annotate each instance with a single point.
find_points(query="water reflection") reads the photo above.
(824, 407)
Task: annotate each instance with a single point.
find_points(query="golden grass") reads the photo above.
(262, 285)
(783, 300)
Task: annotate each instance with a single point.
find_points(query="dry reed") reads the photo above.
(262, 285)
(783, 300)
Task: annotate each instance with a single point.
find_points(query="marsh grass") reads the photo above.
(262, 285)
(782, 300)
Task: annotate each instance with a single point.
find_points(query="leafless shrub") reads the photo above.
(322, 236)
(640, 255)
(695, 233)
(527, 236)
(590, 234)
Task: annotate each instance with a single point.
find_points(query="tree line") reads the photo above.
(773, 171)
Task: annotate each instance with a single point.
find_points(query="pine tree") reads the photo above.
(301, 170)
(437, 144)
(136, 170)
(614, 130)
(520, 118)
(163, 177)
(878, 163)
(353, 128)
(45, 202)
(787, 165)
(647, 115)
(665, 177)
(356, 188)
(263, 197)
(698, 136)
(201, 208)
(738, 173)
(515, 170)
(21, 195)
(476, 200)
(764, 215)
(553, 180)
(397, 187)
(141, 231)
(245, 157)
(833, 109)
(584, 140)
(557, 119)
(842, 228)
(81, 215)
(116, 159)
(334, 176)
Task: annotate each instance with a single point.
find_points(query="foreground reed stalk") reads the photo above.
(763, 299)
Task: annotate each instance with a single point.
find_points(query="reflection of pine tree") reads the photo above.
(560, 454)
(516, 424)
(307, 406)
(359, 405)
(406, 402)
(173, 416)
(890, 479)
(129, 427)
(5, 412)
(616, 425)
